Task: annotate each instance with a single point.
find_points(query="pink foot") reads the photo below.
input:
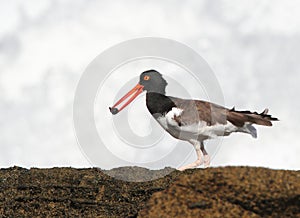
(206, 160)
(190, 166)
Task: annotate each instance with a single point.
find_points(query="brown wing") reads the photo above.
(197, 110)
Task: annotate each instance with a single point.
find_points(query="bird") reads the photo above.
(191, 120)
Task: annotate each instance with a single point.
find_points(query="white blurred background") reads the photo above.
(45, 45)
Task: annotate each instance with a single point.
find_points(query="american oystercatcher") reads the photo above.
(191, 120)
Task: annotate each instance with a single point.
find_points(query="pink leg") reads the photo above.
(198, 162)
(206, 157)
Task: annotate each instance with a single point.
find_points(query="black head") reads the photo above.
(150, 81)
(153, 82)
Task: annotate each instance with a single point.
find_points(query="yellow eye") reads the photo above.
(146, 77)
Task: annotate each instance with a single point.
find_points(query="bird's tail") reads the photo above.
(244, 117)
(251, 130)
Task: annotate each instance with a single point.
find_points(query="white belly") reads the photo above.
(197, 130)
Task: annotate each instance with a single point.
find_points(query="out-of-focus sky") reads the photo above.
(45, 45)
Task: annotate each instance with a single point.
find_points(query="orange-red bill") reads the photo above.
(138, 89)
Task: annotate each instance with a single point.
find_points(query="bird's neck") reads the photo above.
(157, 89)
(158, 104)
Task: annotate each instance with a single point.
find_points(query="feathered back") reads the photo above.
(195, 110)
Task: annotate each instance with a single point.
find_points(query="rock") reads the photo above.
(229, 192)
(212, 192)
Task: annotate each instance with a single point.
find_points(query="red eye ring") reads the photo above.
(146, 77)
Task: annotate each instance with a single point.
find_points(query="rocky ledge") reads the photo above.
(213, 192)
